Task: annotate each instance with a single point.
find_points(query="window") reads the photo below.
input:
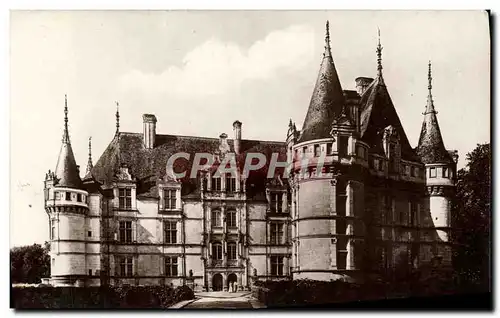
(68, 196)
(341, 259)
(328, 148)
(231, 251)
(217, 251)
(413, 172)
(216, 184)
(216, 218)
(53, 262)
(343, 141)
(125, 198)
(126, 267)
(276, 202)
(125, 231)
(276, 265)
(317, 150)
(79, 197)
(171, 266)
(57, 195)
(432, 173)
(53, 232)
(231, 218)
(445, 172)
(90, 272)
(230, 184)
(304, 152)
(170, 199)
(276, 233)
(361, 152)
(170, 231)
(89, 233)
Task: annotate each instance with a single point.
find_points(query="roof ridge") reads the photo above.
(203, 137)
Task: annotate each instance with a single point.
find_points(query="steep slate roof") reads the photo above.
(66, 170)
(149, 165)
(326, 101)
(377, 112)
(430, 145)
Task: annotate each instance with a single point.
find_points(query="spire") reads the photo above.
(328, 51)
(379, 58)
(65, 138)
(327, 98)
(89, 163)
(66, 169)
(430, 103)
(431, 148)
(117, 118)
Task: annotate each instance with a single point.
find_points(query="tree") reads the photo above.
(29, 264)
(472, 208)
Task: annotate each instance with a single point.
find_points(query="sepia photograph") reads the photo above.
(251, 159)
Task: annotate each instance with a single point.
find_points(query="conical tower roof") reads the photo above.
(327, 99)
(66, 170)
(431, 148)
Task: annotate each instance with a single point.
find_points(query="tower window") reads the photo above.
(125, 231)
(432, 172)
(170, 199)
(231, 251)
(89, 233)
(216, 218)
(216, 184)
(276, 203)
(317, 150)
(276, 265)
(445, 172)
(57, 195)
(125, 198)
(230, 184)
(171, 266)
(276, 233)
(329, 148)
(68, 196)
(170, 231)
(53, 232)
(342, 144)
(79, 197)
(53, 262)
(90, 272)
(231, 218)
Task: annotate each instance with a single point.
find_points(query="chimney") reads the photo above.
(237, 136)
(149, 130)
(362, 83)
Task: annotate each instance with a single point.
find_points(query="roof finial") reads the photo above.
(117, 118)
(429, 108)
(89, 164)
(328, 52)
(379, 56)
(66, 132)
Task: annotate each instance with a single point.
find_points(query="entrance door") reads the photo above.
(217, 282)
(231, 282)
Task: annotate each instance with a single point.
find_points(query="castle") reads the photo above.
(373, 204)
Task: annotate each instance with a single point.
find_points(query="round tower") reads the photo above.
(327, 196)
(66, 206)
(440, 168)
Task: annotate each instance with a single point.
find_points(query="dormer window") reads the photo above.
(276, 202)
(432, 172)
(170, 199)
(125, 198)
(216, 184)
(317, 150)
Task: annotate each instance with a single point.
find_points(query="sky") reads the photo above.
(198, 71)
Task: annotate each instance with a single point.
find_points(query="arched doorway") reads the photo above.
(217, 282)
(232, 279)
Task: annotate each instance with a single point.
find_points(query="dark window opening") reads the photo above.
(170, 230)
(125, 231)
